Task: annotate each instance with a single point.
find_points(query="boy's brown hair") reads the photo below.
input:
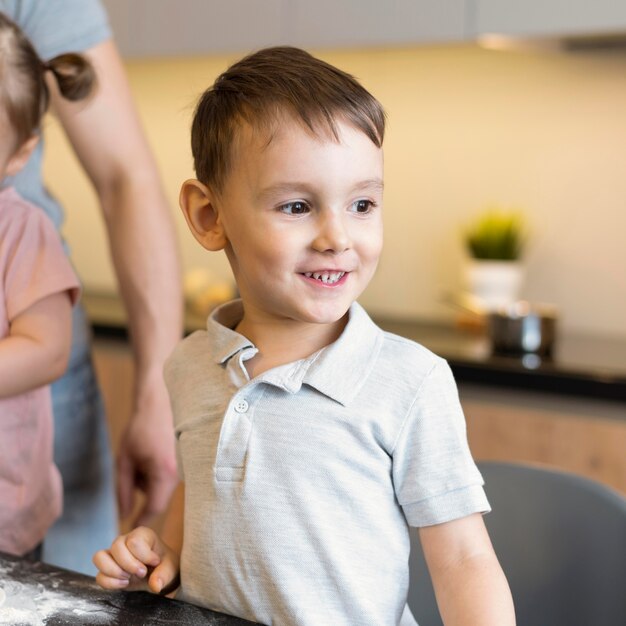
(23, 91)
(262, 87)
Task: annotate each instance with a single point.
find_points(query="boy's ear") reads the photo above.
(196, 202)
(18, 160)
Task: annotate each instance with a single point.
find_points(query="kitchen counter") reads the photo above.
(589, 366)
(582, 365)
(38, 594)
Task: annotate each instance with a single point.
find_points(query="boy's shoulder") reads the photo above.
(195, 348)
(196, 341)
(399, 362)
(394, 350)
(407, 359)
(200, 355)
(403, 348)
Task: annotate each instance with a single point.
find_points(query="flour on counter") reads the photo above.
(33, 603)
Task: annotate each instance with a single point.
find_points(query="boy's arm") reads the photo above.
(37, 349)
(143, 560)
(469, 583)
(172, 532)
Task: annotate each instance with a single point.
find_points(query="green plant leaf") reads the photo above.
(496, 235)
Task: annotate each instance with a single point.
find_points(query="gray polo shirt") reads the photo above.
(300, 484)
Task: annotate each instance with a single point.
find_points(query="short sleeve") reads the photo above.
(58, 26)
(435, 477)
(36, 265)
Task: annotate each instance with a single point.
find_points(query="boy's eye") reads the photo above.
(362, 206)
(294, 208)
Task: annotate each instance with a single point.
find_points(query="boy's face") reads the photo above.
(302, 217)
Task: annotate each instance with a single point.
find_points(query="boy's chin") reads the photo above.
(327, 318)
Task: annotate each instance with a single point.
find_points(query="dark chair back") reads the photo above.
(561, 541)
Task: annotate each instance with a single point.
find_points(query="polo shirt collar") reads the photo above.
(338, 371)
(225, 341)
(342, 368)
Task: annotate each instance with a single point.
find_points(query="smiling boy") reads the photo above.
(308, 439)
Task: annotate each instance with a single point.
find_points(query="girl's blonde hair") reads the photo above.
(24, 95)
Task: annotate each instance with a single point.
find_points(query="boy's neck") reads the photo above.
(285, 341)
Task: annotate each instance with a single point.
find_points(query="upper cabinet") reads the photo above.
(145, 28)
(190, 27)
(528, 18)
(195, 27)
(356, 23)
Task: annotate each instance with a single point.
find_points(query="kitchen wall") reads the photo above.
(545, 132)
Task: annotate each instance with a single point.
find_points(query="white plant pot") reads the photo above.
(494, 283)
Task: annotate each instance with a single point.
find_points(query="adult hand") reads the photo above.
(147, 459)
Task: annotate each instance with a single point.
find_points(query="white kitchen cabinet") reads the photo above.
(548, 17)
(189, 27)
(145, 28)
(341, 23)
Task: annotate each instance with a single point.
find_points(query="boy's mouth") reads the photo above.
(328, 278)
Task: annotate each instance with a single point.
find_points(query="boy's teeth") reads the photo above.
(325, 277)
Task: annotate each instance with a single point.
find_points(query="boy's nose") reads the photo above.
(332, 235)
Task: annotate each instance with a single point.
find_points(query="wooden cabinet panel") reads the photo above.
(115, 371)
(590, 442)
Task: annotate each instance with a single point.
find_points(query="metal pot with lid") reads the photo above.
(518, 328)
(522, 327)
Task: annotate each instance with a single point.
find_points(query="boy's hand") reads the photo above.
(136, 561)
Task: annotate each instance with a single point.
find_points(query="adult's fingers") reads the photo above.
(159, 486)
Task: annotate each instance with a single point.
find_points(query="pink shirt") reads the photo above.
(33, 265)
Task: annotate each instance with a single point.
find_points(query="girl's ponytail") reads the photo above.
(74, 75)
(23, 90)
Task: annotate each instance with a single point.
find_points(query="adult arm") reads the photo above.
(469, 584)
(37, 349)
(107, 137)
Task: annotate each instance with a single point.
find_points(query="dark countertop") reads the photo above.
(581, 365)
(38, 594)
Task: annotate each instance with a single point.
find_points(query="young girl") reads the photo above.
(37, 290)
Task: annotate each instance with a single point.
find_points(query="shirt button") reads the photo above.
(241, 406)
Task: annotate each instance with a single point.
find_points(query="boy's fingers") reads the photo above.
(106, 582)
(165, 577)
(108, 567)
(110, 575)
(145, 545)
(130, 558)
(127, 563)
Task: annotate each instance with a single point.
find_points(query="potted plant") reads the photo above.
(494, 243)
